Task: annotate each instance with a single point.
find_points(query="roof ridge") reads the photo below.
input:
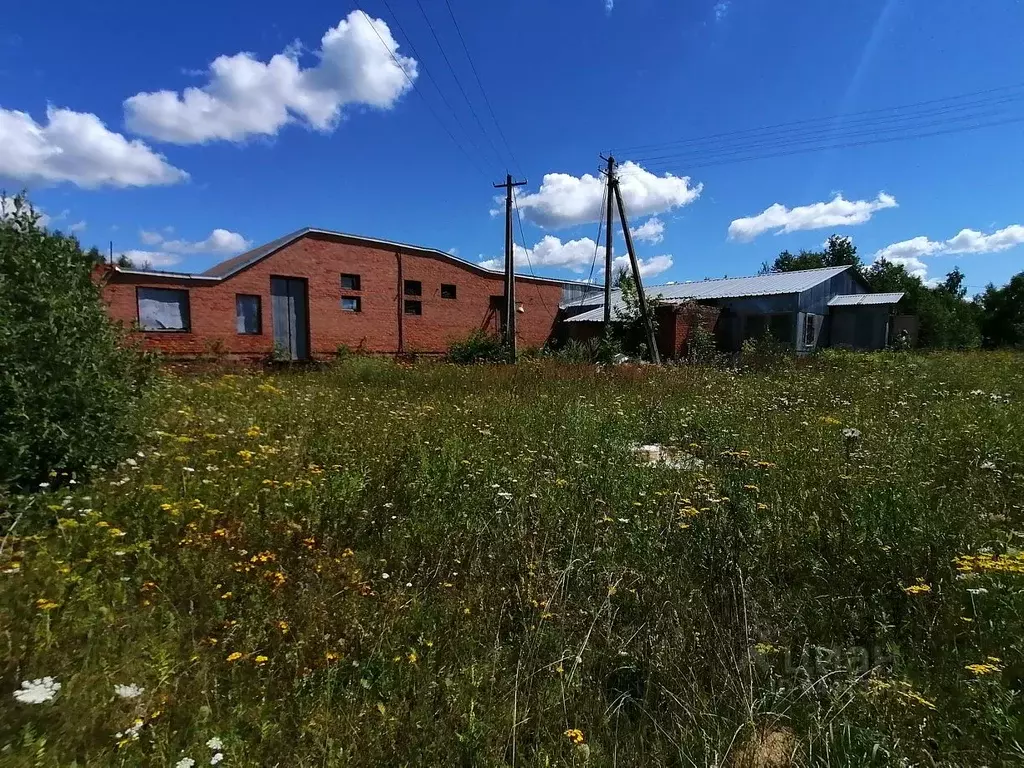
(750, 277)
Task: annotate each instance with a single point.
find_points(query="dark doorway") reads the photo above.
(290, 317)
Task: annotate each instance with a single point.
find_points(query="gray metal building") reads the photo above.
(806, 309)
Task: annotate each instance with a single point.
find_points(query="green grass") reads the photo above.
(434, 565)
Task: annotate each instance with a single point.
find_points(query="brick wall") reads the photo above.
(321, 260)
(676, 323)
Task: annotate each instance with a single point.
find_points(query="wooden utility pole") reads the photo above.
(645, 312)
(510, 267)
(608, 243)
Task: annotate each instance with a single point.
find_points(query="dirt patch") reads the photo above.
(767, 748)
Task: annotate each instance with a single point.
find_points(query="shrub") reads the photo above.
(480, 347)
(69, 387)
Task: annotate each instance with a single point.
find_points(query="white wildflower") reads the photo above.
(185, 762)
(216, 758)
(130, 691)
(978, 591)
(132, 732)
(215, 744)
(988, 465)
(385, 575)
(851, 434)
(37, 691)
(44, 485)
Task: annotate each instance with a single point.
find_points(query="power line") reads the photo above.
(526, 250)
(483, 91)
(826, 118)
(600, 228)
(430, 77)
(868, 142)
(817, 137)
(458, 82)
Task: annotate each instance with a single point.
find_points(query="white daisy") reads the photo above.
(185, 762)
(131, 691)
(216, 758)
(215, 744)
(37, 691)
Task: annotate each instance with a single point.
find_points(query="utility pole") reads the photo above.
(510, 267)
(645, 312)
(608, 243)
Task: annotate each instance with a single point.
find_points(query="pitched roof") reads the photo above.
(862, 299)
(773, 284)
(236, 264)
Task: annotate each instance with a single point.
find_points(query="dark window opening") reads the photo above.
(413, 307)
(247, 315)
(163, 309)
(413, 288)
(350, 283)
(447, 291)
(351, 304)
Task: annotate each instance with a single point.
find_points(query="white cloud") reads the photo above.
(651, 231)
(78, 226)
(564, 200)
(609, 5)
(151, 259)
(914, 249)
(77, 147)
(972, 241)
(721, 9)
(576, 256)
(648, 267)
(910, 252)
(220, 241)
(246, 97)
(835, 213)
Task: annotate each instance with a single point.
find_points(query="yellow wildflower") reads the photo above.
(260, 660)
(413, 658)
(575, 735)
(283, 626)
(234, 656)
(990, 667)
(254, 431)
(918, 589)
(45, 604)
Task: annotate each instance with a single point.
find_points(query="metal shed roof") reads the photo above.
(773, 284)
(864, 299)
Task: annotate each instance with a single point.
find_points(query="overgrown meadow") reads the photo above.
(380, 564)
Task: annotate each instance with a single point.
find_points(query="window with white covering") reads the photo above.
(247, 314)
(163, 309)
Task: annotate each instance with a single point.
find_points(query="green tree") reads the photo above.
(1002, 314)
(946, 319)
(69, 387)
(838, 251)
(630, 332)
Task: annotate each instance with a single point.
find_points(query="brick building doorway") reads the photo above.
(290, 316)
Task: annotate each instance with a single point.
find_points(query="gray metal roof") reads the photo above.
(776, 283)
(236, 264)
(862, 299)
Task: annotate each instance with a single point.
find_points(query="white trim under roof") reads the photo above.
(864, 299)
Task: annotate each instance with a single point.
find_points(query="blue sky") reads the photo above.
(185, 135)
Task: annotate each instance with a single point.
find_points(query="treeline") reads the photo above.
(948, 318)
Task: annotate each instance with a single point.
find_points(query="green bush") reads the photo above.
(480, 347)
(69, 387)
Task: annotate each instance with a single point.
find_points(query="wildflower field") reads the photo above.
(380, 564)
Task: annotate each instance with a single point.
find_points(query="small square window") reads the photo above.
(247, 314)
(351, 304)
(413, 288)
(447, 291)
(413, 307)
(350, 283)
(163, 309)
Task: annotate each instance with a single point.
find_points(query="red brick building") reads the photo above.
(311, 292)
